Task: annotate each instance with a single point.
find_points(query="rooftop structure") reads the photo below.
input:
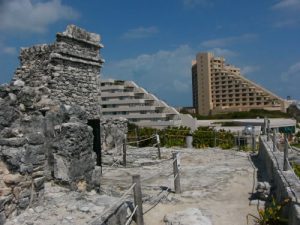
(219, 87)
(126, 99)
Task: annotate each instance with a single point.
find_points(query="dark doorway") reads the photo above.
(95, 124)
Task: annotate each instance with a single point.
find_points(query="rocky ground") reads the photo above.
(62, 206)
(216, 186)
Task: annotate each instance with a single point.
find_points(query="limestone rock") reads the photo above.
(12, 178)
(187, 217)
(19, 83)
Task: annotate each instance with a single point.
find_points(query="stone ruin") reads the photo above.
(50, 120)
(112, 134)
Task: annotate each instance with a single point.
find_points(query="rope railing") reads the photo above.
(117, 202)
(293, 148)
(130, 217)
(136, 187)
(139, 141)
(281, 170)
(175, 137)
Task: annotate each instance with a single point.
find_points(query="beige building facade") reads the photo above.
(219, 88)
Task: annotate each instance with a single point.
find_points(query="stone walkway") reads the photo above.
(217, 183)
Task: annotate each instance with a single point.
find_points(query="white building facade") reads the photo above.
(126, 99)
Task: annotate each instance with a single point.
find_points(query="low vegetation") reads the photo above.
(271, 215)
(175, 136)
(296, 168)
(253, 113)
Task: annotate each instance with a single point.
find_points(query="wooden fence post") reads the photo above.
(189, 141)
(215, 138)
(268, 130)
(274, 140)
(124, 151)
(253, 141)
(137, 195)
(158, 145)
(137, 136)
(265, 126)
(239, 141)
(285, 154)
(176, 174)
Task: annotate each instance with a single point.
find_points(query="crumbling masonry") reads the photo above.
(50, 120)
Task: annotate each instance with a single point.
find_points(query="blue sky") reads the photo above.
(154, 41)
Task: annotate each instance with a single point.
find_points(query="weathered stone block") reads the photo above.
(2, 218)
(24, 202)
(37, 138)
(61, 168)
(12, 179)
(16, 192)
(26, 168)
(5, 200)
(13, 142)
(39, 182)
(96, 176)
(5, 191)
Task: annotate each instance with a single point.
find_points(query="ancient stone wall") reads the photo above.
(33, 70)
(70, 68)
(113, 132)
(285, 184)
(22, 153)
(35, 145)
(43, 120)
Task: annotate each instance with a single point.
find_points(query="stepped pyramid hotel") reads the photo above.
(126, 99)
(219, 87)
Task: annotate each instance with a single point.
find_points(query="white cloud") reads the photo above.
(33, 15)
(164, 73)
(287, 5)
(181, 86)
(290, 81)
(193, 3)
(223, 52)
(292, 73)
(288, 13)
(9, 50)
(141, 32)
(249, 69)
(223, 42)
(287, 23)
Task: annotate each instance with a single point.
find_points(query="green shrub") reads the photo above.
(296, 168)
(253, 113)
(208, 137)
(271, 215)
(175, 136)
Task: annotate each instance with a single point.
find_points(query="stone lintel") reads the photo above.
(81, 35)
(75, 59)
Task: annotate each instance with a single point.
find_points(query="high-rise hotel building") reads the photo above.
(219, 87)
